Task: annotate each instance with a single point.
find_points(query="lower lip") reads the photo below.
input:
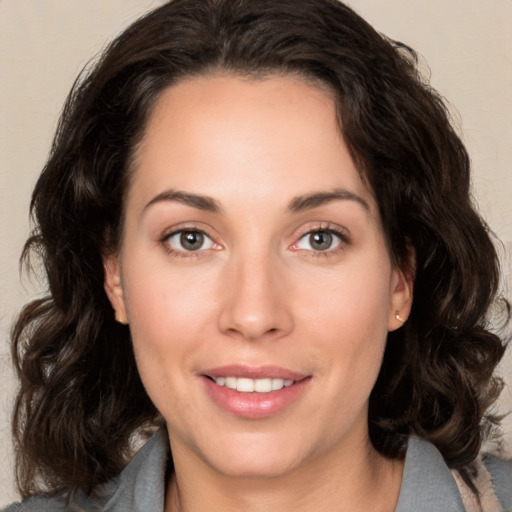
(255, 405)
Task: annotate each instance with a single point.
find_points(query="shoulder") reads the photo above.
(38, 504)
(428, 484)
(485, 484)
(142, 481)
(500, 472)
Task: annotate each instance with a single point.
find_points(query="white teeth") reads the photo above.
(263, 385)
(245, 385)
(230, 382)
(277, 384)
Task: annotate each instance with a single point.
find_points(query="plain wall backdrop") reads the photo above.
(44, 43)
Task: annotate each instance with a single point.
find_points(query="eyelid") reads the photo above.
(335, 230)
(178, 234)
(176, 230)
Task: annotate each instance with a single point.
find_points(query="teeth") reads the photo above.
(263, 385)
(277, 384)
(230, 382)
(245, 385)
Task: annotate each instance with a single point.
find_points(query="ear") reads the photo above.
(114, 288)
(402, 285)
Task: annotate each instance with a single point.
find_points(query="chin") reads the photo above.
(256, 468)
(256, 456)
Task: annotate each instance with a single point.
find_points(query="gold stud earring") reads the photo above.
(121, 321)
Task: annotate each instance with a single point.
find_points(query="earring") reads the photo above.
(121, 321)
(399, 318)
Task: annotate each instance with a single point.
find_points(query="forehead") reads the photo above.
(220, 134)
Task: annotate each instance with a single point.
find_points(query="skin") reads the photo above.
(258, 292)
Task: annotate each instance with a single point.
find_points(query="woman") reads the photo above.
(242, 200)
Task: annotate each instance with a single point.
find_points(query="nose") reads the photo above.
(254, 303)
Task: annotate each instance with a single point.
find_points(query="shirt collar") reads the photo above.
(427, 483)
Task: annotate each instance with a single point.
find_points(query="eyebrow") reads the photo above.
(200, 202)
(310, 201)
(297, 204)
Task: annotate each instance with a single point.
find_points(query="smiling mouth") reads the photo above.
(254, 392)
(246, 385)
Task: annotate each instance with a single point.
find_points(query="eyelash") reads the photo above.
(178, 253)
(324, 228)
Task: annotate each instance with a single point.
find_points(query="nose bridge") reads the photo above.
(255, 306)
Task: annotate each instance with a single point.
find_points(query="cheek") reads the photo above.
(165, 323)
(169, 312)
(160, 297)
(352, 303)
(346, 320)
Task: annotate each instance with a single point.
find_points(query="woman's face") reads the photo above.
(253, 257)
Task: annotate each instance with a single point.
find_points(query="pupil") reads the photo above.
(191, 240)
(321, 241)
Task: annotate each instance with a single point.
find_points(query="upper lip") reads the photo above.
(254, 372)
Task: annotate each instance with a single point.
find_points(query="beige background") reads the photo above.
(44, 43)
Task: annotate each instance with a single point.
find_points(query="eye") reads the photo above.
(189, 240)
(320, 240)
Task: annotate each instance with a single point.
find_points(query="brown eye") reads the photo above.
(189, 241)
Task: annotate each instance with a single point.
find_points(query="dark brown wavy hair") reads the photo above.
(81, 399)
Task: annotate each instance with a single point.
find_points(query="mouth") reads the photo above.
(254, 393)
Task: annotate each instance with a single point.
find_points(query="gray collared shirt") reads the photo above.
(427, 484)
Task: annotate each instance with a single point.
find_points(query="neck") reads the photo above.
(360, 480)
